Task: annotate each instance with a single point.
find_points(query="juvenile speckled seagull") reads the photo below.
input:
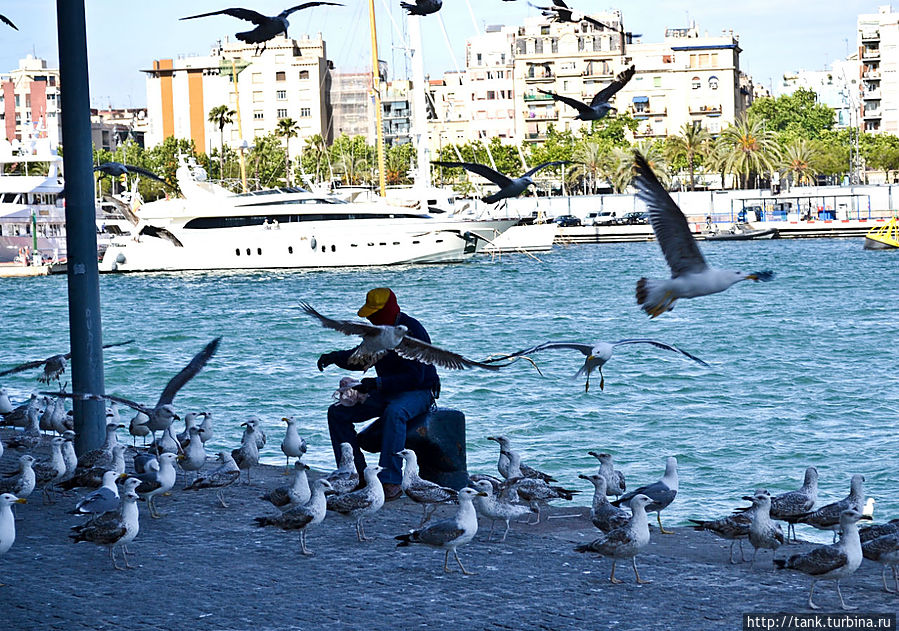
(884, 550)
(113, 529)
(21, 482)
(624, 542)
(828, 517)
(691, 276)
(532, 490)
(834, 562)
(247, 455)
(449, 534)
(735, 528)
(662, 493)
(494, 508)
(502, 465)
(596, 354)
(603, 515)
(302, 516)
(615, 484)
(377, 340)
(345, 478)
(599, 106)
(267, 26)
(362, 503)
(421, 491)
(792, 506)
(226, 474)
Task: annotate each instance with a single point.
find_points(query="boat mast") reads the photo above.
(376, 89)
(243, 166)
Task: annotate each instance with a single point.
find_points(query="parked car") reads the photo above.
(567, 221)
(635, 218)
(604, 218)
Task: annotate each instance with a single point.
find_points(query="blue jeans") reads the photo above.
(394, 412)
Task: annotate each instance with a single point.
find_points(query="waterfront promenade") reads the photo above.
(203, 567)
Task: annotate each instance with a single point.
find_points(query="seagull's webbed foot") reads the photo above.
(640, 581)
(662, 528)
(459, 561)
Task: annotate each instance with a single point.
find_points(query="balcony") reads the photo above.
(708, 110)
(547, 77)
(871, 36)
(871, 54)
(648, 131)
(872, 74)
(534, 137)
(872, 95)
(542, 116)
(872, 114)
(537, 97)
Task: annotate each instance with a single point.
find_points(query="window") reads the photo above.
(280, 76)
(491, 95)
(696, 83)
(281, 95)
(305, 112)
(257, 115)
(538, 46)
(282, 113)
(657, 82)
(713, 83)
(667, 59)
(480, 59)
(258, 96)
(257, 77)
(304, 74)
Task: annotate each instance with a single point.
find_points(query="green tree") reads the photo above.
(747, 148)
(221, 115)
(692, 145)
(798, 161)
(265, 161)
(163, 158)
(315, 156)
(591, 160)
(287, 128)
(353, 158)
(797, 115)
(399, 160)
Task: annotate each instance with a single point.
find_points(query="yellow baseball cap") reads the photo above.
(374, 301)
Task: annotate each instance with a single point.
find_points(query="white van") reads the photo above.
(604, 218)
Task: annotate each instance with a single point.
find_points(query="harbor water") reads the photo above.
(803, 370)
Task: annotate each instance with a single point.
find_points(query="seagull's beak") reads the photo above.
(121, 477)
(481, 494)
(748, 498)
(582, 476)
(761, 276)
(21, 500)
(285, 419)
(866, 518)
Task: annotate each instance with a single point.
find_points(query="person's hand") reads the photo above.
(326, 360)
(369, 384)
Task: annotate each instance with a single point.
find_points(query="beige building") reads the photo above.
(291, 79)
(878, 50)
(490, 63)
(451, 122)
(29, 103)
(353, 104)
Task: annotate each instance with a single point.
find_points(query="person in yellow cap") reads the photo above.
(403, 389)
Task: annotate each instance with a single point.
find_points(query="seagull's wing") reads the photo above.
(188, 372)
(821, 560)
(667, 347)
(125, 343)
(439, 534)
(596, 22)
(560, 3)
(668, 222)
(6, 20)
(347, 327)
(609, 91)
(22, 367)
(543, 166)
(144, 172)
(484, 171)
(586, 349)
(412, 348)
(578, 105)
(306, 5)
(242, 14)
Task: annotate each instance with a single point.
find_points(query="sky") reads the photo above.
(125, 36)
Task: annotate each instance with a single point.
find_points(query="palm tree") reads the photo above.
(287, 128)
(590, 161)
(623, 168)
(221, 115)
(798, 158)
(693, 142)
(749, 148)
(315, 155)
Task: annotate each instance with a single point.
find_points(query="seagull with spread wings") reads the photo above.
(118, 169)
(53, 366)
(596, 354)
(378, 340)
(508, 187)
(600, 105)
(6, 20)
(561, 12)
(267, 26)
(691, 276)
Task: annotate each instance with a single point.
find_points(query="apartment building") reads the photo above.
(353, 104)
(490, 63)
(450, 121)
(112, 127)
(838, 88)
(878, 51)
(291, 79)
(29, 102)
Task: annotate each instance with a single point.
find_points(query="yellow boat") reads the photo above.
(885, 237)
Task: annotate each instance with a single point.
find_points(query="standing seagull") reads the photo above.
(600, 105)
(828, 517)
(624, 542)
(792, 506)
(158, 480)
(297, 494)
(533, 490)
(267, 26)
(226, 474)
(118, 169)
(596, 354)
(344, 478)
(502, 465)
(247, 455)
(103, 500)
(662, 493)
(691, 276)
(493, 508)
(884, 550)
(362, 503)
(113, 529)
(833, 562)
(5, 405)
(615, 484)
(733, 527)
(53, 366)
(8, 522)
(21, 482)
(293, 445)
(6, 20)
(422, 491)
(508, 187)
(302, 516)
(603, 515)
(378, 340)
(449, 534)
(763, 533)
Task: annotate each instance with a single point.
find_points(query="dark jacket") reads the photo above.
(397, 374)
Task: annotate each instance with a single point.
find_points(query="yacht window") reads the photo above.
(241, 221)
(324, 249)
(416, 242)
(396, 243)
(237, 251)
(333, 248)
(290, 249)
(439, 241)
(259, 251)
(248, 251)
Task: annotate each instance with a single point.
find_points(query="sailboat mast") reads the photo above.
(376, 89)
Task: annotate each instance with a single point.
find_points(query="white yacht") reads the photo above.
(210, 228)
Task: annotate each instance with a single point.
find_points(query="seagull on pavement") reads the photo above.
(624, 542)
(345, 478)
(160, 479)
(113, 529)
(302, 516)
(596, 354)
(267, 26)
(763, 533)
(362, 503)
(599, 106)
(378, 340)
(662, 493)
(603, 515)
(502, 465)
(421, 491)
(691, 276)
(508, 187)
(884, 550)
(828, 517)
(615, 484)
(297, 494)
(293, 445)
(226, 474)
(494, 508)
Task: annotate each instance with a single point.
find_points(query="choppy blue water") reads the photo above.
(803, 369)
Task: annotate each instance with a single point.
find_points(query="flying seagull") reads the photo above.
(377, 341)
(599, 106)
(508, 187)
(267, 26)
(422, 7)
(160, 416)
(118, 169)
(561, 12)
(691, 276)
(597, 354)
(6, 20)
(53, 366)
